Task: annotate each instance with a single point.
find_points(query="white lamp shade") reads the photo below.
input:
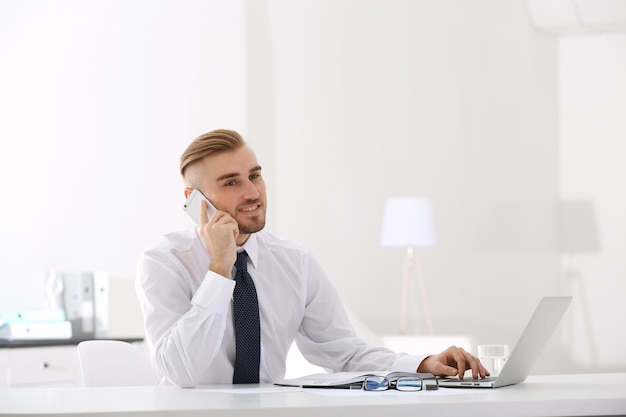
(408, 221)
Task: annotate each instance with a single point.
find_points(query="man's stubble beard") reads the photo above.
(252, 228)
(256, 226)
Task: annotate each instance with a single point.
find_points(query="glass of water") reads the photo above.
(493, 357)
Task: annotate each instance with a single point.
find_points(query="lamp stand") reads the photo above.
(412, 264)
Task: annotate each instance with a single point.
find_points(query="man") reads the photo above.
(187, 291)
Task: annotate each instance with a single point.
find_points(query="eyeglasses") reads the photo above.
(403, 383)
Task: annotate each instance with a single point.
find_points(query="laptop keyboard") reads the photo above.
(488, 379)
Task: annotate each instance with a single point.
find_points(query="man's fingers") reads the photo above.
(471, 362)
(458, 355)
(464, 361)
(204, 218)
(446, 370)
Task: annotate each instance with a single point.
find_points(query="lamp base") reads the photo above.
(412, 264)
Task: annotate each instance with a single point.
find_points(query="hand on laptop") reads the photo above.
(452, 362)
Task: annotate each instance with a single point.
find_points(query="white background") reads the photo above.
(346, 103)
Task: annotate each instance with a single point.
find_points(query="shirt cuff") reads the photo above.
(215, 293)
(407, 363)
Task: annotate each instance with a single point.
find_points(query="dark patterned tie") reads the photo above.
(247, 325)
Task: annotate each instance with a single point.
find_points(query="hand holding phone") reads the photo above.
(221, 243)
(192, 206)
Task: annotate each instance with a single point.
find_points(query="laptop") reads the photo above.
(534, 338)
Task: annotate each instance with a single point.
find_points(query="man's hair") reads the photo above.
(215, 141)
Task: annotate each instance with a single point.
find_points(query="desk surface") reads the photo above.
(563, 395)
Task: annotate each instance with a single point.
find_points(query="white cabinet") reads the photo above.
(45, 366)
(4, 367)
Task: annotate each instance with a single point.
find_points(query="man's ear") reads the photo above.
(188, 191)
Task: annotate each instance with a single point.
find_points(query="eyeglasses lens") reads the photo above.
(409, 384)
(376, 383)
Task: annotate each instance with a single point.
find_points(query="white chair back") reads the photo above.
(107, 363)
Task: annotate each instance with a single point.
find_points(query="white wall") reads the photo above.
(346, 102)
(593, 174)
(456, 101)
(98, 100)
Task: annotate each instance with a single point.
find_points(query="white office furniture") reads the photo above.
(56, 364)
(45, 363)
(38, 366)
(564, 395)
(106, 363)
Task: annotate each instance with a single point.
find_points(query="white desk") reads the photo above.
(566, 395)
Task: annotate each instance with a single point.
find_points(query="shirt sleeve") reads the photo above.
(327, 338)
(184, 328)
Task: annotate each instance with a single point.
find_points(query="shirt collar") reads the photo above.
(252, 249)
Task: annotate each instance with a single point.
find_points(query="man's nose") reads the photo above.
(251, 192)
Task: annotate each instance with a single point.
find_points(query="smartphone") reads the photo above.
(192, 206)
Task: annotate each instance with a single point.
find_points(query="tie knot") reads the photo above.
(242, 261)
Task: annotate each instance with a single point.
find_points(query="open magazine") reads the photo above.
(356, 380)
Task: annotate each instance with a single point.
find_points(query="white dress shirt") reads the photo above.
(189, 319)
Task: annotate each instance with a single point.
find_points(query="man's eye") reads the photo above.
(254, 176)
(230, 183)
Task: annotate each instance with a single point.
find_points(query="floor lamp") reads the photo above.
(408, 222)
(578, 236)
